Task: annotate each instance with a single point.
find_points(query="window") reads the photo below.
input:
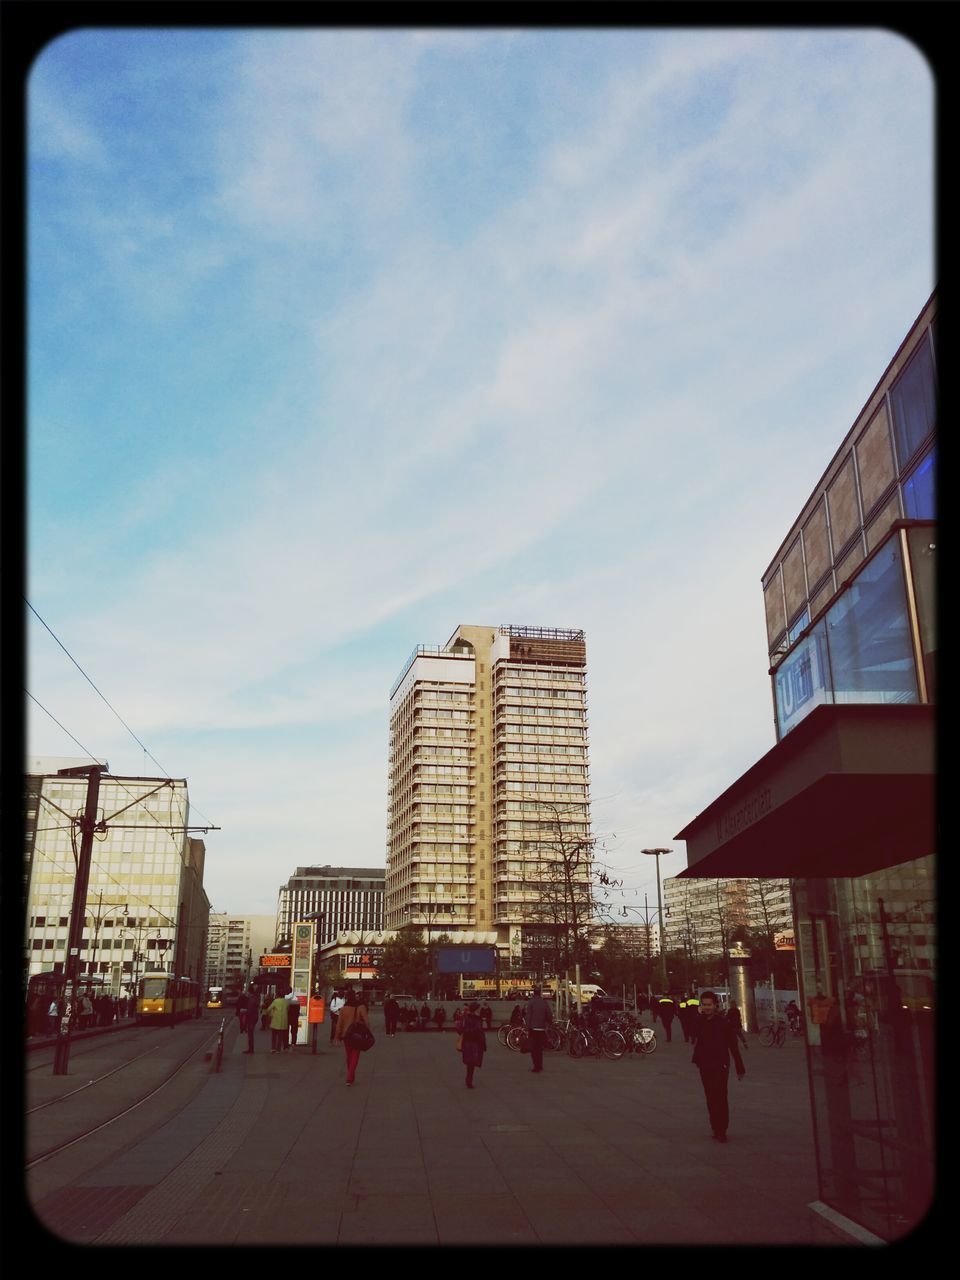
(913, 397)
(919, 490)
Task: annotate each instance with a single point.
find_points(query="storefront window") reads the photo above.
(866, 959)
(868, 635)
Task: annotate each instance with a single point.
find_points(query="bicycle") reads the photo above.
(640, 1039)
(774, 1034)
(607, 1043)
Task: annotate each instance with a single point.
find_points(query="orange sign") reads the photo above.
(274, 962)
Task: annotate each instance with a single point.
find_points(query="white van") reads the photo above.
(587, 991)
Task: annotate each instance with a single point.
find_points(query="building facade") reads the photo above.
(146, 909)
(338, 898)
(844, 803)
(234, 946)
(489, 807)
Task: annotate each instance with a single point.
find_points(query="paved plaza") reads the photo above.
(276, 1149)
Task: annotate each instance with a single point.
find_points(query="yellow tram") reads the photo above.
(161, 997)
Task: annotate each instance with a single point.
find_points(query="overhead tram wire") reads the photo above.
(134, 798)
(100, 695)
(50, 858)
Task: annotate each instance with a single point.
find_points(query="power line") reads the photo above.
(100, 695)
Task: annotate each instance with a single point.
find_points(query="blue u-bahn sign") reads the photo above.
(466, 959)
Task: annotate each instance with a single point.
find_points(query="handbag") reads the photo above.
(459, 1042)
(359, 1036)
(524, 1043)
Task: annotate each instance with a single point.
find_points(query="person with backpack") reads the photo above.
(352, 1015)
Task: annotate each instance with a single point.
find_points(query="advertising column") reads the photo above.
(301, 971)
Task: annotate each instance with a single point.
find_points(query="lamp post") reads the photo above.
(656, 853)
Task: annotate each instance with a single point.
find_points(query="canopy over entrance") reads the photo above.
(848, 791)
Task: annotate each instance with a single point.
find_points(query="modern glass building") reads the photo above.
(843, 804)
(146, 909)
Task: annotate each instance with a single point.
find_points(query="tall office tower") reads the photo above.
(489, 824)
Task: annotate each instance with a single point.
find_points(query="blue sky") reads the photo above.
(339, 339)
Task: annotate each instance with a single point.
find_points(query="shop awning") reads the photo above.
(848, 791)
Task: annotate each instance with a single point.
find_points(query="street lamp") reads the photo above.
(656, 853)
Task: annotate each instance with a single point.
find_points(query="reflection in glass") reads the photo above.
(866, 960)
(920, 490)
(802, 680)
(868, 635)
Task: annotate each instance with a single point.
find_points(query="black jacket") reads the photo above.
(716, 1043)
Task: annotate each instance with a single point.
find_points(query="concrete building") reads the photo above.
(234, 946)
(146, 908)
(843, 804)
(489, 791)
(344, 898)
(702, 915)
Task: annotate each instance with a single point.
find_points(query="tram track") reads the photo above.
(101, 1122)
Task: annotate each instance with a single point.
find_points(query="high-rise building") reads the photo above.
(489, 808)
(234, 946)
(339, 899)
(146, 907)
(843, 803)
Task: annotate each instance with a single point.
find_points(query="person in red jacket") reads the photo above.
(716, 1045)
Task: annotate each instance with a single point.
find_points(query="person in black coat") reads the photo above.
(716, 1045)
(391, 1014)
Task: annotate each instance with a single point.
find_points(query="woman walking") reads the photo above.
(278, 1025)
(474, 1043)
(353, 1011)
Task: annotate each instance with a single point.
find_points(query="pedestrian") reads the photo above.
(248, 1017)
(53, 1017)
(516, 1016)
(667, 1008)
(440, 1016)
(352, 1012)
(424, 1015)
(391, 1014)
(279, 1024)
(336, 1004)
(293, 1017)
(693, 1008)
(733, 1014)
(458, 1019)
(486, 1016)
(716, 1045)
(537, 1017)
(243, 1010)
(86, 1012)
(265, 1011)
(473, 1041)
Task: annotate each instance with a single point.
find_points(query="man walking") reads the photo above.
(537, 1017)
(716, 1044)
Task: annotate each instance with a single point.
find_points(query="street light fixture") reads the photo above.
(656, 853)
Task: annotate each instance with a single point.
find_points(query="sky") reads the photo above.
(339, 339)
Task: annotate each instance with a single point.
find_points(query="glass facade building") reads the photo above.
(844, 804)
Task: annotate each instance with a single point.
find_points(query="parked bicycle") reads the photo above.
(606, 1043)
(774, 1034)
